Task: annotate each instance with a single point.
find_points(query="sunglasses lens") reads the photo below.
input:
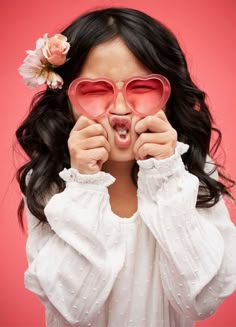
(91, 98)
(146, 97)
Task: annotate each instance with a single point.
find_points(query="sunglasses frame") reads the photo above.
(72, 94)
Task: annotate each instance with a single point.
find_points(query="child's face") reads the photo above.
(113, 60)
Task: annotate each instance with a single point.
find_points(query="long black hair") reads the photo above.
(44, 133)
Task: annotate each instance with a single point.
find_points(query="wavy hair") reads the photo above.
(44, 133)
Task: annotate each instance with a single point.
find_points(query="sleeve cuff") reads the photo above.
(72, 175)
(164, 167)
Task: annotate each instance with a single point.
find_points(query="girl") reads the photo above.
(126, 218)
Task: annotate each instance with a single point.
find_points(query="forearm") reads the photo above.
(74, 271)
(193, 247)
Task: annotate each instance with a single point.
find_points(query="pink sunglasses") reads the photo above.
(144, 95)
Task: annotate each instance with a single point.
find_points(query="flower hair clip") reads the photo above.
(38, 66)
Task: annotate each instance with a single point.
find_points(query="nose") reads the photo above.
(120, 107)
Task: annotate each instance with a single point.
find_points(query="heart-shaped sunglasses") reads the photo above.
(144, 95)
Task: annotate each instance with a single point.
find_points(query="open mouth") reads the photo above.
(122, 132)
(121, 126)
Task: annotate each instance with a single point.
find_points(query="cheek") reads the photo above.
(75, 113)
(104, 122)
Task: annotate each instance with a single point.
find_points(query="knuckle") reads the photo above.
(174, 133)
(78, 156)
(143, 138)
(102, 139)
(103, 151)
(145, 148)
(172, 136)
(149, 120)
(98, 128)
(72, 148)
(69, 142)
(82, 119)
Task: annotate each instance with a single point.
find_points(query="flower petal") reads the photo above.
(54, 81)
(37, 67)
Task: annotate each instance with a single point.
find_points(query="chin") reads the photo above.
(122, 156)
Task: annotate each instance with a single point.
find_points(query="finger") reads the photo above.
(161, 114)
(90, 130)
(155, 138)
(77, 145)
(96, 156)
(153, 124)
(94, 142)
(82, 122)
(157, 151)
(168, 138)
(90, 161)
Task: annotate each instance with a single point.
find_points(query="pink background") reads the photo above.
(206, 31)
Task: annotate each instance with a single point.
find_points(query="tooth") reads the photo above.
(122, 132)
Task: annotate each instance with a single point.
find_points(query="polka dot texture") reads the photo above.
(169, 265)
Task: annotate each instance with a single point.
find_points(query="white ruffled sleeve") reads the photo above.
(76, 257)
(197, 246)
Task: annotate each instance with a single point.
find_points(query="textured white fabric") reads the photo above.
(166, 266)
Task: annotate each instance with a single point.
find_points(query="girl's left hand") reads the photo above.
(157, 138)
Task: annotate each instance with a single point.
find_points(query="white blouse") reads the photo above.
(166, 266)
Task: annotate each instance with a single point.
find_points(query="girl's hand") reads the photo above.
(88, 146)
(157, 138)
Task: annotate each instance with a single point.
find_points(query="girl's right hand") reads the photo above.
(88, 146)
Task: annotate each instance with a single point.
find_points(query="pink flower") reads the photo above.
(32, 70)
(38, 66)
(56, 49)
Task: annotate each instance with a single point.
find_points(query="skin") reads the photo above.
(91, 143)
